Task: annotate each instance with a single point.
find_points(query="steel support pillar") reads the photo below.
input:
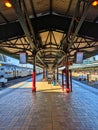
(34, 76)
(43, 73)
(67, 75)
(46, 73)
(57, 75)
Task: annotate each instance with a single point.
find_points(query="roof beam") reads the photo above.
(85, 47)
(50, 6)
(30, 27)
(44, 64)
(4, 17)
(59, 61)
(9, 46)
(14, 30)
(33, 9)
(82, 19)
(66, 39)
(69, 6)
(37, 36)
(92, 53)
(23, 23)
(5, 52)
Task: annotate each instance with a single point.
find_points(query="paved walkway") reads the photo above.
(49, 108)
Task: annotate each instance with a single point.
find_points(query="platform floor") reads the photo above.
(49, 108)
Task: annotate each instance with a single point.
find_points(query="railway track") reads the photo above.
(15, 81)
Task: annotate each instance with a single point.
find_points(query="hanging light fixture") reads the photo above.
(8, 4)
(95, 3)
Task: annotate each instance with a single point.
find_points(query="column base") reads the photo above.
(33, 89)
(62, 87)
(67, 90)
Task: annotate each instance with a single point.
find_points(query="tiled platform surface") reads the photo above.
(49, 108)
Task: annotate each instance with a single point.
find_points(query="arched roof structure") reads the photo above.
(49, 29)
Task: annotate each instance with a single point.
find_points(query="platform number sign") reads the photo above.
(23, 58)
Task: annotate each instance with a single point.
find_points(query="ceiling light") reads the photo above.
(8, 4)
(95, 3)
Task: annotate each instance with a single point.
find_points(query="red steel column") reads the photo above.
(67, 75)
(70, 80)
(62, 81)
(34, 76)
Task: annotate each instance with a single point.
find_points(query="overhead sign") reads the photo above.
(79, 57)
(23, 58)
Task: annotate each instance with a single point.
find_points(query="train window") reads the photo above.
(2, 68)
(1, 59)
(5, 58)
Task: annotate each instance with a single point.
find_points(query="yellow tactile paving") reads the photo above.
(45, 87)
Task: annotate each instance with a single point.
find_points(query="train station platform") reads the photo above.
(49, 108)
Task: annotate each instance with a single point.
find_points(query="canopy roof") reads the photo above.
(49, 29)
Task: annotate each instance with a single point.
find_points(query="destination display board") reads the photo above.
(23, 58)
(79, 57)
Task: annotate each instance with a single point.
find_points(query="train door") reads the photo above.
(8, 72)
(16, 71)
(6, 75)
(13, 71)
(2, 70)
